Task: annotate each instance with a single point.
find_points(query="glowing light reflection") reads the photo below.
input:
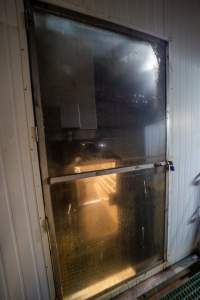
(101, 285)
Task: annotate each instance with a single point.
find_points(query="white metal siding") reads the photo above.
(22, 266)
(182, 26)
(22, 243)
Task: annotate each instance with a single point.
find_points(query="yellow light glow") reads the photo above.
(92, 166)
(101, 285)
(102, 187)
(98, 215)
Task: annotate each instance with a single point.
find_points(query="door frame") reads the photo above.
(41, 148)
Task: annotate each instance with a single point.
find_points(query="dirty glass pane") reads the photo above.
(109, 228)
(103, 96)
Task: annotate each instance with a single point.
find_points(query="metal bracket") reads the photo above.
(168, 164)
(160, 164)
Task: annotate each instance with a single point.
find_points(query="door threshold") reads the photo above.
(146, 287)
(131, 283)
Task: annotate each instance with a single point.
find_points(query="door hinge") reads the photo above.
(28, 17)
(35, 134)
(45, 225)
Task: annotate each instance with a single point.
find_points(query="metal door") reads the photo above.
(100, 103)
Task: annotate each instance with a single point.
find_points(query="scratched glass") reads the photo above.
(109, 229)
(103, 96)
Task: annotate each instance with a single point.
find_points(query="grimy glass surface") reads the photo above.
(103, 96)
(109, 228)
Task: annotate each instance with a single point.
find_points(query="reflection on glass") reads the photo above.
(103, 95)
(108, 229)
(96, 165)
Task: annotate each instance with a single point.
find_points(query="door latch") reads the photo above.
(170, 166)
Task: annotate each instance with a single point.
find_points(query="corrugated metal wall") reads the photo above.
(22, 265)
(182, 26)
(23, 273)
